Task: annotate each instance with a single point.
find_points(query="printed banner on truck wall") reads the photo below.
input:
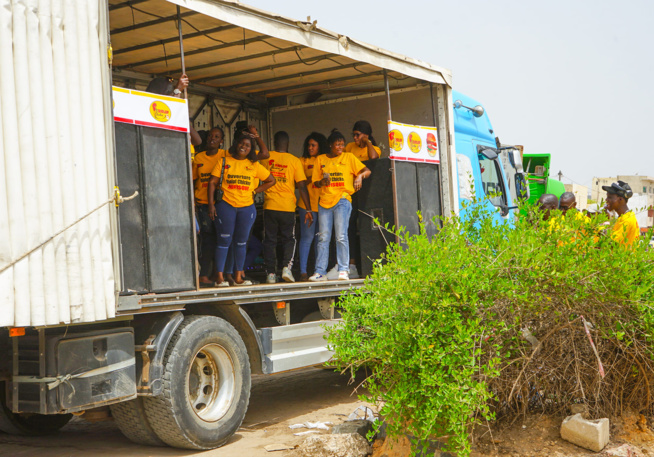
(413, 143)
(150, 110)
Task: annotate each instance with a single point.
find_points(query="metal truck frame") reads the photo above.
(174, 366)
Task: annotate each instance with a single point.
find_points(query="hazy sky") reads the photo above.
(572, 78)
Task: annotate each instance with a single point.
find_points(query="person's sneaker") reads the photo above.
(271, 278)
(333, 273)
(354, 273)
(287, 275)
(317, 277)
(343, 276)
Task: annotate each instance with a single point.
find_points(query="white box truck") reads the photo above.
(99, 297)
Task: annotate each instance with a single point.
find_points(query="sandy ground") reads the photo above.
(321, 395)
(277, 401)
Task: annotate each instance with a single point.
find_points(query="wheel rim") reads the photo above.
(211, 383)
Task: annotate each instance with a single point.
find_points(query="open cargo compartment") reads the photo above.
(281, 74)
(62, 259)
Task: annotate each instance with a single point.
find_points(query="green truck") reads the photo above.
(537, 169)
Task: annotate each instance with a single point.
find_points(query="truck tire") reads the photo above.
(133, 423)
(206, 385)
(28, 424)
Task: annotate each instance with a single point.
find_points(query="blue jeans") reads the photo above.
(307, 236)
(233, 227)
(338, 218)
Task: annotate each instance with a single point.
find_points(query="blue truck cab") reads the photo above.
(480, 169)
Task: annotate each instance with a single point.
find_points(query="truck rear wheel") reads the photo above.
(133, 423)
(206, 387)
(28, 424)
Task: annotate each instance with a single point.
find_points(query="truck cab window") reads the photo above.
(491, 177)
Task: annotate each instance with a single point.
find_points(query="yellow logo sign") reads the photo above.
(395, 139)
(160, 111)
(414, 142)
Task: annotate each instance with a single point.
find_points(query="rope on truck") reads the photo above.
(116, 199)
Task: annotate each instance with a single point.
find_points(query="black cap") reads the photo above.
(620, 188)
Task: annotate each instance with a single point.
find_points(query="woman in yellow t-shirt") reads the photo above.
(338, 175)
(234, 214)
(314, 145)
(364, 147)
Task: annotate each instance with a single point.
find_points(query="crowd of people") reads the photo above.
(225, 182)
(625, 231)
(325, 177)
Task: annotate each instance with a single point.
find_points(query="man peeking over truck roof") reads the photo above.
(163, 85)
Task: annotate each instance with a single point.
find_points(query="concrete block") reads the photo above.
(589, 434)
(340, 445)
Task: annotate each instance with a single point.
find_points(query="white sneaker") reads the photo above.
(354, 273)
(343, 276)
(271, 278)
(287, 275)
(316, 277)
(333, 273)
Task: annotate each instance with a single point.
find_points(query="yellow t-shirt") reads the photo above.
(240, 180)
(360, 153)
(558, 223)
(192, 149)
(626, 230)
(287, 170)
(342, 169)
(202, 168)
(314, 192)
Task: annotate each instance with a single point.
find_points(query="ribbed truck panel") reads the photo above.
(54, 142)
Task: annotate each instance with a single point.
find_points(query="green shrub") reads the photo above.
(484, 321)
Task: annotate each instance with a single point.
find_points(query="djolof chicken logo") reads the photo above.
(414, 142)
(396, 139)
(160, 111)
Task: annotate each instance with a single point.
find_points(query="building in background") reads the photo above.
(641, 203)
(581, 194)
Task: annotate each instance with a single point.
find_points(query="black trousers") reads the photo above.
(206, 240)
(278, 226)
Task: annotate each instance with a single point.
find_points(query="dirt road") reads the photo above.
(276, 402)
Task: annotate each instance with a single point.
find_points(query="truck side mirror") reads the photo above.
(489, 153)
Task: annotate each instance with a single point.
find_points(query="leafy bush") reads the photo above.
(485, 321)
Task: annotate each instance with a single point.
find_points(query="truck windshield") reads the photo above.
(491, 180)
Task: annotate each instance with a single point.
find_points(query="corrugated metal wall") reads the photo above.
(53, 143)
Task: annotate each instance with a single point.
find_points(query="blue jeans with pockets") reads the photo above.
(337, 218)
(233, 227)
